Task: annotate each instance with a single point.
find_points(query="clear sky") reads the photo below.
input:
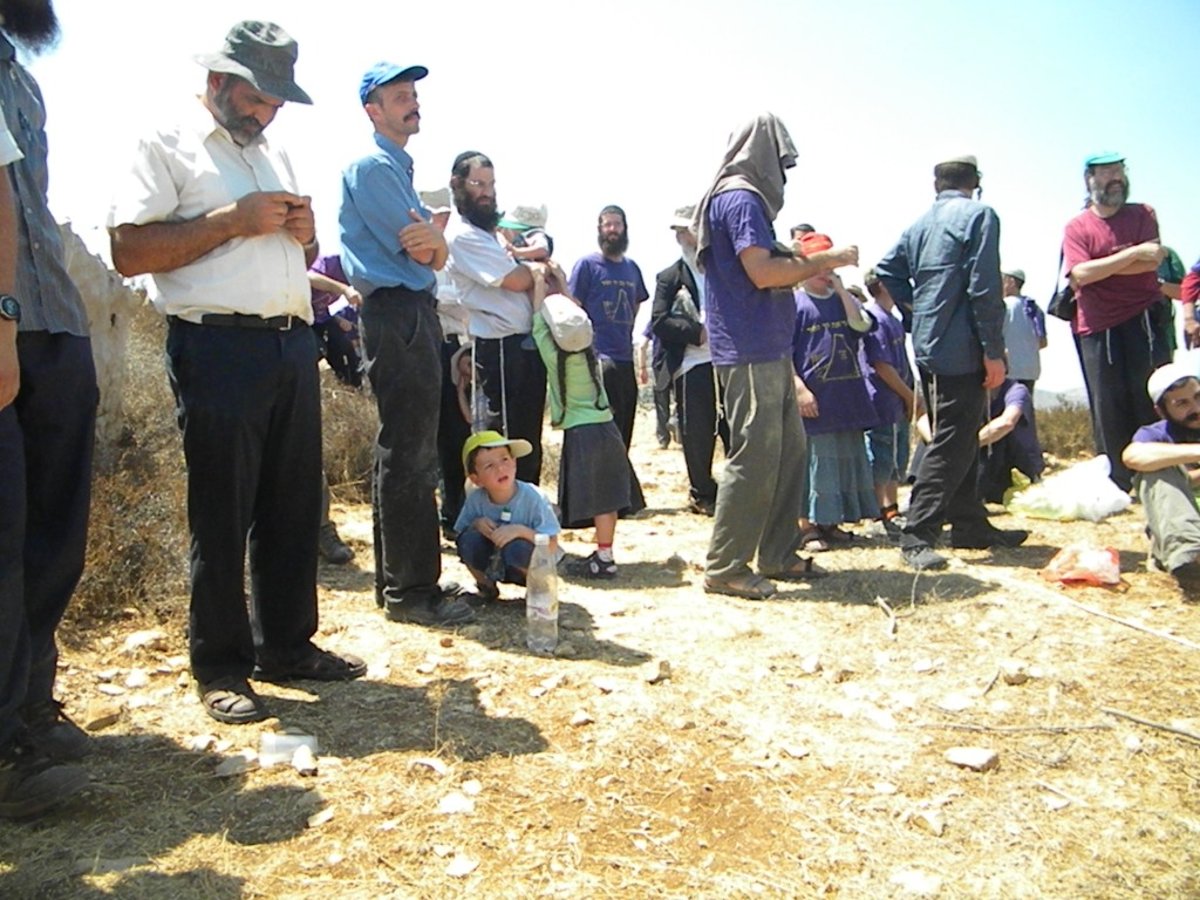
(585, 104)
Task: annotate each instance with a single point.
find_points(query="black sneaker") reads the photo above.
(1187, 577)
(31, 784)
(984, 536)
(331, 547)
(53, 734)
(440, 607)
(921, 557)
(595, 567)
(703, 507)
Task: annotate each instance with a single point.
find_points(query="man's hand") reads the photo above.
(353, 297)
(266, 212)
(421, 240)
(10, 366)
(300, 223)
(993, 372)
(1149, 252)
(845, 256)
(807, 403)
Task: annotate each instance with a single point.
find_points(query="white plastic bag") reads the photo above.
(1083, 491)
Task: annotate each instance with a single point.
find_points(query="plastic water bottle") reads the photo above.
(541, 598)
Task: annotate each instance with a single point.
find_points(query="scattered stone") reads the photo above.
(811, 664)
(840, 674)
(566, 650)
(144, 640)
(605, 685)
(303, 761)
(461, 866)
(317, 819)
(427, 667)
(1133, 743)
(137, 678)
(925, 665)
(93, 866)
(676, 563)
(442, 850)
(334, 859)
(201, 742)
(955, 703)
(885, 787)
(100, 716)
(1013, 671)
(238, 764)
(140, 702)
(582, 717)
(447, 641)
(978, 759)
(1055, 803)
(795, 751)
(454, 803)
(472, 787)
(111, 690)
(929, 820)
(107, 674)
(430, 762)
(546, 685)
(917, 882)
(656, 674)
(177, 662)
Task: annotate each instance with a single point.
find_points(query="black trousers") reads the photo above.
(1116, 364)
(402, 343)
(513, 379)
(453, 432)
(662, 414)
(46, 438)
(337, 346)
(248, 401)
(946, 480)
(699, 427)
(620, 383)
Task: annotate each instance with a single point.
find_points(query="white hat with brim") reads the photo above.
(1166, 377)
(569, 323)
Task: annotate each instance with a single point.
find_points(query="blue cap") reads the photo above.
(383, 72)
(1103, 159)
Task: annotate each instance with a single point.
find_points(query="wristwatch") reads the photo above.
(10, 308)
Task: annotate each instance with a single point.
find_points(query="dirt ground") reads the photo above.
(679, 744)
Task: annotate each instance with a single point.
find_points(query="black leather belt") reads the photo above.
(240, 320)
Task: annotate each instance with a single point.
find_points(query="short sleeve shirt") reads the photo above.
(610, 292)
(1109, 302)
(477, 265)
(527, 507)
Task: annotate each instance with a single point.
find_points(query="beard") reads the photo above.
(481, 213)
(243, 129)
(30, 23)
(614, 244)
(1114, 192)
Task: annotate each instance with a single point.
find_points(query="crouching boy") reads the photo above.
(498, 521)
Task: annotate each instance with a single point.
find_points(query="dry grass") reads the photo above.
(747, 773)
(1066, 431)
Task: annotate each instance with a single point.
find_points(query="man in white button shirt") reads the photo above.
(212, 209)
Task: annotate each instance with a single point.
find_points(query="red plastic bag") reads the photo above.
(1084, 564)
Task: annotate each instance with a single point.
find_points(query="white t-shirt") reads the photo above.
(477, 265)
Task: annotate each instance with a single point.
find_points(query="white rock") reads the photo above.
(980, 759)
(111, 690)
(795, 751)
(955, 703)
(1013, 671)
(303, 761)
(238, 764)
(656, 674)
(137, 678)
(605, 685)
(317, 819)
(200, 742)
(1054, 802)
(427, 667)
(582, 717)
(152, 639)
(930, 820)
(101, 715)
(461, 866)
(917, 882)
(442, 850)
(1133, 743)
(430, 762)
(923, 665)
(107, 674)
(455, 802)
(811, 664)
(472, 787)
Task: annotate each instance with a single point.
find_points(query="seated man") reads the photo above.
(1008, 441)
(1165, 458)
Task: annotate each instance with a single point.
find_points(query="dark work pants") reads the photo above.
(1116, 364)
(453, 432)
(662, 415)
(620, 383)
(46, 438)
(945, 489)
(337, 346)
(517, 395)
(696, 409)
(248, 402)
(402, 342)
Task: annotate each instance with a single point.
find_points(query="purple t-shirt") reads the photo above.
(1028, 456)
(885, 343)
(828, 354)
(745, 324)
(610, 293)
(1164, 432)
(331, 267)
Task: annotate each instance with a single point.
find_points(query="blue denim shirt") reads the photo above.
(947, 265)
(49, 299)
(377, 193)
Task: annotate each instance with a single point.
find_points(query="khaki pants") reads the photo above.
(1171, 515)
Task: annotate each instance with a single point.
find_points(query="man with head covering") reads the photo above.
(947, 266)
(48, 402)
(685, 362)
(750, 321)
(1166, 457)
(391, 251)
(211, 208)
(1111, 253)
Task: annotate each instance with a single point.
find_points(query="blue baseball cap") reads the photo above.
(1108, 158)
(383, 72)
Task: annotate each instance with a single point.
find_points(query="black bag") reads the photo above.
(1063, 304)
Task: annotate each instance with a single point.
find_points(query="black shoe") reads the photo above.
(53, 734)
(595, 567)
(921, 557)
(232, 701)
(331, 546)
(319, 665)
(31, 784)
(441, 607)
(984, 536)
(703, 507)
(1187, 577)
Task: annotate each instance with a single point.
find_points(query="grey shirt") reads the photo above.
(947, 265)
(49, 299)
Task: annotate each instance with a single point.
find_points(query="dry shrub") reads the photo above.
(1066, 430)
(138, 540)
(349, 423)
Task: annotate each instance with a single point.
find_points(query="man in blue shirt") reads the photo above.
(390, 252)
(947, 267)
